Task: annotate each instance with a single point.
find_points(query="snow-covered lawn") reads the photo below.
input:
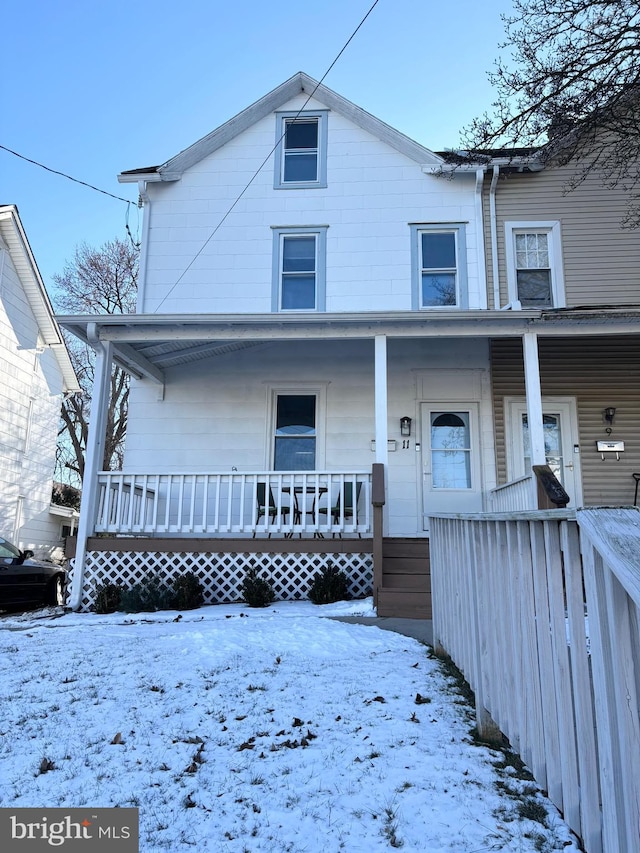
(234, 729)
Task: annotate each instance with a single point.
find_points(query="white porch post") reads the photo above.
(380, 406)
(382, 430)
(534, 403)
(94, 456)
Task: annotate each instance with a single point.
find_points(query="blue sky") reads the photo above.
(95, 88)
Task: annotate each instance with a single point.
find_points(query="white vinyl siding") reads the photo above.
(372, 194)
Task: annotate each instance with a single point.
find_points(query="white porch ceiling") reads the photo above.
(147, 344)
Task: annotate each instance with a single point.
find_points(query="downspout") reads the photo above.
(142, 267)
(494, 236)
(482, 258)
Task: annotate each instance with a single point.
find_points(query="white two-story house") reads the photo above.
(312, 354)
(35, 373)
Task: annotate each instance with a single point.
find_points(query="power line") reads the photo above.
(62, 174)
(263, 164)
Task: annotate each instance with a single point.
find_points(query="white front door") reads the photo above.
(561, 443)
(451, 480)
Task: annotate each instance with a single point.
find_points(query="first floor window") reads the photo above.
(534, 266)
(439, 266)
(299, 269)
(295, 433)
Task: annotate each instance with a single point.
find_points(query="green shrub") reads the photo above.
(256, 591)
(147, 596)
(329, 585)
(108, 597)
(187, 592)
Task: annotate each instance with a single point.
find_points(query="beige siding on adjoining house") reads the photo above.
(601, 260)
(598, 372)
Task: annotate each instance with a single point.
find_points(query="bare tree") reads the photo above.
(97, 281)
(570, 84)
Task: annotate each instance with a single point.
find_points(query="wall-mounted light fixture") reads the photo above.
(405, 426)
(609, 414)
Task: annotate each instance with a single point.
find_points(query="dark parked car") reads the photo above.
(27, 583)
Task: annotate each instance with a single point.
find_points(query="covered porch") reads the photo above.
(406, 362)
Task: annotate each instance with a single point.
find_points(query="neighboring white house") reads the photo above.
(313, 299)
(35, 373)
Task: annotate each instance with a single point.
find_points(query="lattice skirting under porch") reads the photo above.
(221, 574)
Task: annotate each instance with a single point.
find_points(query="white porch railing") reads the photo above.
(286, 502)
(552, 653)
(512, 497)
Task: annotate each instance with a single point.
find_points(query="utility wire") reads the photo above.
(263, 164)
(128, 202)
(62, 174)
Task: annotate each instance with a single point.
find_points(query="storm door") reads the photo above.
(450, 462)
(561, 444)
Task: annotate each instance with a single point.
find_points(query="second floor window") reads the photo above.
(299, 269)
(534, 267)
(439, 266)
(298, 276)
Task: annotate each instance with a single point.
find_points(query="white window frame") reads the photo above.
(279, 236)
(552, 229)
(321, 116)
(458, 229)
(311, 389)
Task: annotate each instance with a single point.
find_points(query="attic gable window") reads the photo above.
(301, 150)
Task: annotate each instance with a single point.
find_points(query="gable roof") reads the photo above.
(173, 169)
(13, 234)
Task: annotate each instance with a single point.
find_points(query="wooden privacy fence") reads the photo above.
(552, 651)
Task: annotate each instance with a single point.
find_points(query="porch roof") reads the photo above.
(146, 344)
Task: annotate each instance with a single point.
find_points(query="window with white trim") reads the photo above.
(301, 150)
(534, 264)
(299, 269)
(439, 273)
(295, 432)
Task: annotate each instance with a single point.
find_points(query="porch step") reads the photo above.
(405, 591)
(404, 604)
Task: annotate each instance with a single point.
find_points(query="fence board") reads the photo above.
(565, 691)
